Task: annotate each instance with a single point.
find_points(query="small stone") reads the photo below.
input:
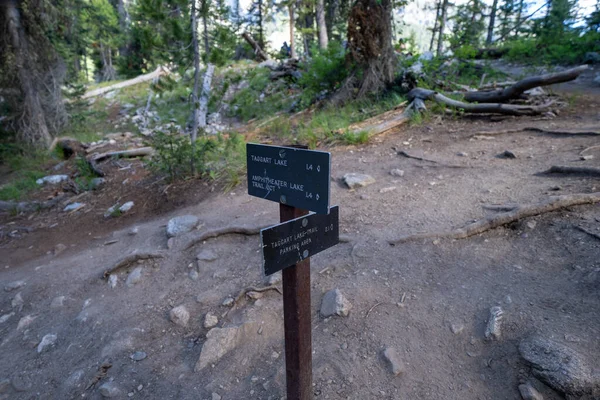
(179, 316)
(254, 295)
(4, 386)
(9, 287)
(587, 157)
(228, 302)
(356, 180)
(387, 189)
(457, 328)
(397, 172)
(462, 154)
(528, 392)
(180, 225)
(170, 243)
(194, 275)
(206, 255)
(392, 357)
(531, 224)
(507, 154)
(96, 183)
(109, 389)
(140, 387)
(6, 317)
(334, 303)
(17, 302)
(52, 179)
(21, 382)
(133, 231)
(73, 207)
(216, 396)
(364, 197)
(126, 207)
(59, 248)
(57, 302)
(492, 330)
(47, 341)
(508, 299)
(134, 277)
(139, 356)
(75, 377)
(112, 281)
(25, 322)
(210, 320)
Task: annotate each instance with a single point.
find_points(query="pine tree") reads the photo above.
(469, 25)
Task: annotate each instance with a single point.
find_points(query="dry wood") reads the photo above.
(499, 207)
(405, 154)
(557, 131)
(203, 109)
(228, 230)
(516, 90)
(130, 259)
(139, 152)
(560, 169)
(489, 108)
(159, 71)
(101, 374)
(582, 229)
(257, 50)
(383, 122)
(553, 203)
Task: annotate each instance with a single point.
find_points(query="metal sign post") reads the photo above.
(299, 180)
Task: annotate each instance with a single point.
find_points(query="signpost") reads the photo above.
(298, 179)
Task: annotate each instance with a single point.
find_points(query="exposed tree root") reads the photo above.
(559, 169)
(588, 149)
(516, 90)
(245, 291)
(582, 229)
(557, 132)
(228, 230)
(130, 259)
(522, 211)
(405, 154)
(500, 207)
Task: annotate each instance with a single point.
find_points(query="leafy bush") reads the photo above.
(324, 72)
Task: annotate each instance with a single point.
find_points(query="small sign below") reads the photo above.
(295, 177)
(295, 240)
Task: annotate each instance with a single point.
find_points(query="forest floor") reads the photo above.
(428, 299)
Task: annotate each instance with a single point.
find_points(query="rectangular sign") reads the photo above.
(295, 240)
(296, 177)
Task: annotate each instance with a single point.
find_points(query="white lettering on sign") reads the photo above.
(265, 160)
(295, 241)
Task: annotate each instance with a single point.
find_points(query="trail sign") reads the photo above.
(295, 177)
(293, 241)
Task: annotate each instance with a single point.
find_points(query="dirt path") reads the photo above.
(428, 299)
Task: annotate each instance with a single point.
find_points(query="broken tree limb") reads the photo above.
(228, 230)
(405, 154)
(383, 122)
(488, 108)
(516, 90)
(551, 204)
(130, 259)
(257, 50)
(559, 169)
(140, 152)
(159, 71)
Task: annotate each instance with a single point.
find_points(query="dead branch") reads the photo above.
(499, 207)
(582, 229)
(140, 152)
(159, 71)
(566, 131)
(559, 169)
(405, 154)
(228, 230)
(516, 90)
(245, 291)
(130, 259)
(382, 123)
(490, 108)
(551, 204)
(257, 50)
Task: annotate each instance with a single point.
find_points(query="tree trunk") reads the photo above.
(435, 24)
(332, 13)
(33, 129)
(309, 24)
(440, 44)
(490, 32)
(292, 38)
(195, 105)
(321, 25)
(261, 39)
(205, 7)
(257, 49)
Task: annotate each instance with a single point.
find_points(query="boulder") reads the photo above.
(180, 225)
(334, 303)
(355, 180)
(220, 341)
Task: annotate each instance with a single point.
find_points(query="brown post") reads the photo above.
(297, 321)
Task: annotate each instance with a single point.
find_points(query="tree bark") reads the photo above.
(292, 38)
(33, 127)
(490, 32)
(440, 44)
(203, 109)
(205, 8)
(435, 24)
(262, 56)
(159, 71)
(194, 133)
(321, 25)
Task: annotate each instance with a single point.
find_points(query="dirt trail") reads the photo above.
(543, 272)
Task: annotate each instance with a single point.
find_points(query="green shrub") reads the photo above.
(324, 72)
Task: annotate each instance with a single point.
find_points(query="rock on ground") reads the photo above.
(9, 287)
(109, 389)
(220, 341)
(492, 329)
(355, 180)
(17, 302)
(47, 341)
(560, 367)
(397, 172)
(207, 255)
(180, 225)
(179, 316)
(113, 280)
(210, 320)
(393, 359)
(528, 392)
(52, 179)
(134, 277)
(334, 303)
(126, 207)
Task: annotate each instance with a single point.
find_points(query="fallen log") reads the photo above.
(159, 71)
(516, 90)
(559, 169)
(382, 123)
(140, 152)
(262, 56)
(488, 108)
(228, 230)
(551, 204)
